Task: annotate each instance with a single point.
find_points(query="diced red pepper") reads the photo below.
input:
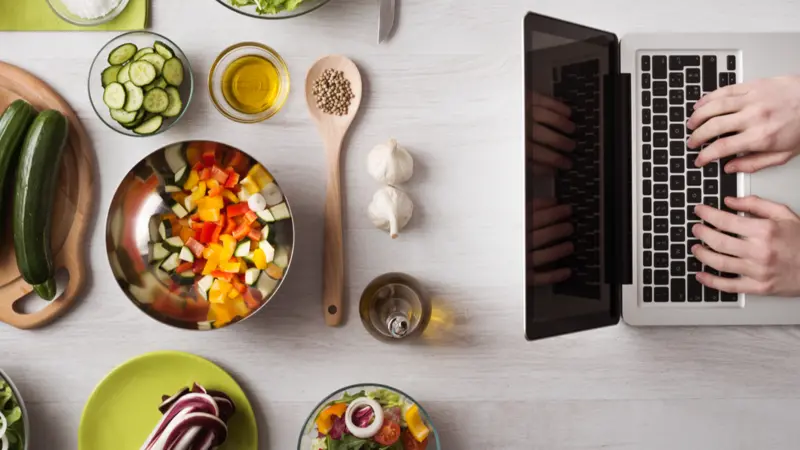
(198, 167)
(196, 247)
(238, 285)
(205, 174)
(217, 232)
(197, 225)
(250, 300)
(241, 231)
(233, 178)
(239, 161)
(224, 275)
(184, 267)
(208, 232)
(254, 234)
(250, 217)
(209, 155)
(238, 209)
(215, 191)
(229, 227)
(218, 174)
(199, 264)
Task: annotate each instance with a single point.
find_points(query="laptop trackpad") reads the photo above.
(778, 184)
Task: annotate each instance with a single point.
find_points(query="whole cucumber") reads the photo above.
(14, 124)
(37, 175)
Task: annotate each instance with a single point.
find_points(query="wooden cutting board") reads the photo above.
(71, 212)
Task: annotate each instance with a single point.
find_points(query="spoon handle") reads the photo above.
(333, 253)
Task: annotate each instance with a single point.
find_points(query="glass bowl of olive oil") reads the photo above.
(249, 82)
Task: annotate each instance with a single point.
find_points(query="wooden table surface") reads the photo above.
(448, 86)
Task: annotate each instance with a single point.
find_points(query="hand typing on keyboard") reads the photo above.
(546, 246)
(763, 114)
(547, 133)
(764, 251)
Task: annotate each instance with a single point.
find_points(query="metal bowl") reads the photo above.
(304, 8)
(26, 427)
(140, 200)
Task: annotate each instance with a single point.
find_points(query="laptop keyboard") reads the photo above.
(578, 87)
(671, 184)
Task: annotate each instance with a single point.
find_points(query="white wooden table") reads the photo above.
(448, 86)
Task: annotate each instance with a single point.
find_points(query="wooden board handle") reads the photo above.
(333, 252)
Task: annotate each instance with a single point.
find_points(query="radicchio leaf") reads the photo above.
(394, 414)
(338, 428)
(363, 416)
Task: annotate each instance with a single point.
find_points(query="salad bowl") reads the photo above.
(402, 423)
(15, 400)
(199, 235)
(250, 8)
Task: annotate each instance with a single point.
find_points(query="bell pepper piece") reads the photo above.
(230, 196)
(325, 418)
(220, 313)
(186, 234)
(179, 197)
(250, 217)
(260, 259)
(209, 157)
(205, 174)
(214, 188)
(192, 181)
(241, 231)
(219, 175)
(238, 209)
(199, 264)
(249, 300)
(231, 266)
(184, 267)
(199, 192)
(209, 215)
(195, 246)
(249, 185)
(238, 306)
(238, 285)
(260, 176)
(198, 167)
(228, 247)
(233, 178)
(212, 250)
(216, 234)
(254, 234)
(221, 274)
(211, 265)
(210, 203)
(274, 272)
(229, 227)
(207, 232)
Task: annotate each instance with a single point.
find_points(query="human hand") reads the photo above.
(549, 119)
(765, 114)
(767, 255)
(548, 225)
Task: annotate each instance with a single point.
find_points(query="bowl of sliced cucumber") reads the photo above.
(140, 84)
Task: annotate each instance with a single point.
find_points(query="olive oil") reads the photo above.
(395, 307)
(251, 84)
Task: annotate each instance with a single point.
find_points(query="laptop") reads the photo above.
(632, 185)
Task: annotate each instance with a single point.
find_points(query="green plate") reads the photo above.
(123, 409)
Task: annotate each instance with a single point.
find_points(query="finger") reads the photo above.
(721, 243)
(557, 121)
(551, 277)
(757, 161)
(550, 216)
(538, 258)
(550, 103)
(547, 157)
(723, 263)
(716, 126)
(759, 207)
(741, 285)
(727, 91)
(546, 136)
(543, 202)
(726, 221)
(709, 109)
(543, 171)
(728, 146)
(550, 234)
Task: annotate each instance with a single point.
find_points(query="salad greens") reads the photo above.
(10, 409)
(269, 6)
(349, 442)
(386, 398)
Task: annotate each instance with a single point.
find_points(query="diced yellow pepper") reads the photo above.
(213, 188)
(210, 203)
(222, 312)
(233, 294)
(199, 191)
(250, 186)
(242, 267)
(228, 247)
(238, 306)
(213, 250)
(208, 214)
(231, 266)
(216, 297)
(211, 265)
(260, 259)
(192, 181)
(260, 175)
(224, 286)
(230, 196)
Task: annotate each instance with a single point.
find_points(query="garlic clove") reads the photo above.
(390, 163)
(391, 210)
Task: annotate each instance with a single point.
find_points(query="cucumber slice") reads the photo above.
(124, 74)
(204, 285)
(114, 96)
(186, 255)
(266, 285)
(122, 116)
(179, 210)
(142, 73)
(281, 257)
(142, 52)
(170, 264)
(163, 50)
(156, 60)
(157, 83)
(251, 276)
(249, 257)
(242, 250)
(156, 101)
(149, 126)
(280, 212)
(189, 204)
(135, 123)
(268, 250)
(121, 54)
(184, 278)
(135, 97)
(170, 189)
(173, 72)
(165, 229)
(110, 75)
(157, 252)
(181, 175)
(175, 103)
(264, 217)
(174, 244)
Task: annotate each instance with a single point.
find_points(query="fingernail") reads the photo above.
(730, 168)
(694, 248)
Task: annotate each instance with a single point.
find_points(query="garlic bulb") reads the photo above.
(391, 164)
(390, 210)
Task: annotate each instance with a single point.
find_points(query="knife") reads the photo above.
(387, 20)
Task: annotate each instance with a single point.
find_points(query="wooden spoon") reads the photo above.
(333, 129)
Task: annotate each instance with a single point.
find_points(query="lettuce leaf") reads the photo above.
(269, 6)
(11, 410)
(387, 398)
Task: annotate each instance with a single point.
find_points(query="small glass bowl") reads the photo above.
(65, 14)
(250, 11)
(233, 53)
(141, 39)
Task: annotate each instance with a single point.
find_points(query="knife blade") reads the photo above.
(387, 20)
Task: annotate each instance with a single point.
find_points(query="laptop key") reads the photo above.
(676, 114)
(647, 258)
(661, 209)
(646, 98)
(645, 81)
(676, 131)
(678, 62)
(676, 182)
(660, 157)
(648, 294)
(676, 79)
(660, 88)
(660, 122)
(661, 243)
(694, 196)
(661, 259)
(710, 295)
(647, 240)
(676, 165)
(695, 289)
(677, 251)
(677, 217)
(647, 223)
(677, 290)
(660, 173)
(646, 116)
(661, 226)
(732, 78)
(677, 148)
(677, 200)
(729, 297)
(647, 188)
(647, 276)
(693, 92)
(731, 62)
(710, 187)
(723, 79)
(647, 204)
(693, 178)
(727, 185)
(660, 140)
(661, 294)
(689, 109)
(711, 170)
(676, 97)
(646, 151)
(661, 277)
(711, 201)
(677, 269)
(645, 63)
(646, 169)
(660, 105)
(709, 73)
(659, 67)
(646, 134)
(661, 191)
(692, 75)
(677, 234)
(694, 265)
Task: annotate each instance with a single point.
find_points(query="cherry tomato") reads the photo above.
(388, 434)
(411, 443)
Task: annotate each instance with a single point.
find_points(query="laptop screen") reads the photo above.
(568, 83)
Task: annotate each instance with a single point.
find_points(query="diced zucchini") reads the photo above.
(142, 73)
(264, 217)
(110, 75)
(265, 232)
(173, 71)
(266, 285)
(186, 254)
(174, 244)
(179, 210)
(149, 126)
(156, 60)
(184, 278)
(243, 195)
(134, 97)
(181, 175)
(189, 204)
(142, 52)
(243, 249)
(121, 54)
(175, 104)
(165, 229)
(268, 250)
(170, 189)
(153, 226)
(170, 264)
(272, 194)
(156, 101)
(251, 276)
(114, 96)
(281, 257)
(249, 257)
(157, 252)
(122, 116)
(124, 74)
(168, 199)
(175, 157)
(204, 285)
(163, 50)
(280, 212)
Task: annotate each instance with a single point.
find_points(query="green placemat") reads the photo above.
(36, 15)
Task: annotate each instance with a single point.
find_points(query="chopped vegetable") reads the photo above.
(12, 431)
(415, 424)
(325, 419)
